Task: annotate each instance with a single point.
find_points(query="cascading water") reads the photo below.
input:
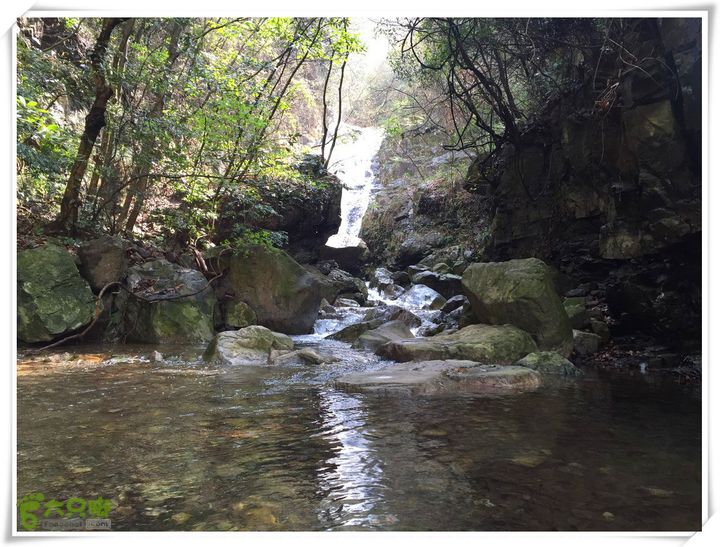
(353, 157)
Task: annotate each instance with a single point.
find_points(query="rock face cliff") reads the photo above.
(605, 184)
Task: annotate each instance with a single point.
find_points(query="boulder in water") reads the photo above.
(285, 297)
(52, 298)
(520, 292)
(353, 332)
(549, 362)
(422, 297)
(251, 346)
(373, 339)
(170, 304)
(492, 344)
(392, 313)
(441, 376)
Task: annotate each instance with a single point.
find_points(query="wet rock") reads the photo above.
(345, 303)
(103, 260)
(520, 292)
(353, 332)
(441, 268)
(351, 259)
(448, 285)
(392, 313)
(373, 339)
(576, 311)
(284, 296)
(586, 342)
(496, 344)
(441, 376)
(345, 284)
(238, 314)
(549, 362)
(251, 346)
(52, 298)
(169, 304)
(381, 278)
(454, 303)
(401, 278)
(392, 291)
(420, 296)
(306, 356)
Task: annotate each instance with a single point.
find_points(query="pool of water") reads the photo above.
(180, 444)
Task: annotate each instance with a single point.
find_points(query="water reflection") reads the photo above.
(353, 478)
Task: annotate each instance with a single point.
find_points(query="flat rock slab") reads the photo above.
(447, 376)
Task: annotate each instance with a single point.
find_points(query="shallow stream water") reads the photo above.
(183, 444)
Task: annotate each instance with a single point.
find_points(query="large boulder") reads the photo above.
(520, 292)
(339, 282)
(549, 362)
(441, 376)
(103, 260)
(52, 298)
(251, 346)
(492, 344)
(284, 295)
(374, 338)
(351, 258)
(169, 304)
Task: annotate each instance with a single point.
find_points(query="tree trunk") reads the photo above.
(94, 122)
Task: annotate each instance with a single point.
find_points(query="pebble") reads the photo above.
(607, 515)
(181, 518)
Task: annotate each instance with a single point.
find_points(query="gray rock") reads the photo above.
(103, 260)
(441, 376)
(391, 313)
(373, 339)
(285, 296)
(577, 312)
(601, 329)
(422, 297)
(454, 303)
(586, 342)
(345, 303)
(251, 346)
(549, 362)
(353, 332)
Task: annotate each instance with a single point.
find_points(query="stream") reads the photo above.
(178, 443)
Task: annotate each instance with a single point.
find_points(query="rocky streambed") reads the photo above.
(400, 411)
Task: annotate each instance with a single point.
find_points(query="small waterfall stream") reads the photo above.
(352, 164)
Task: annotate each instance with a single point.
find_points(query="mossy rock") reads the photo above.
(549, 362)
(238, 314)
(53, 299)
(576, 311)
(171, 305)
(520, 292)
(493, 344)
(284, 295)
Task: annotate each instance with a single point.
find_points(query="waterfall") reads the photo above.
(352, 164)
